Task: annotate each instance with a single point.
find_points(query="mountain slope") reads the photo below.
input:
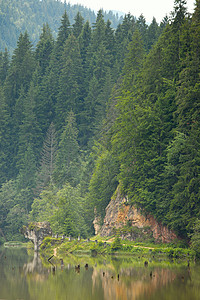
(18, 16)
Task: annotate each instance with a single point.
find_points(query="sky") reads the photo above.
(149, 8)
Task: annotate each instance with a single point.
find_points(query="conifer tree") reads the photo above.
(20, 71)
(44, 49)
(5, 142)
(133, 61)
(84, 43)
(142, 27)
(70, 82)
(47, 161)
(123, 36)
(63, 32)
(78, 25)
(29, 131)
(152, 33)
(66, 169)
(4, 65)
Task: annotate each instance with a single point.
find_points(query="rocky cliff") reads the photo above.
(131, 222)
(36, 232)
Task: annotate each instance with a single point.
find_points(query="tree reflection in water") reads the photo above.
(103, 278)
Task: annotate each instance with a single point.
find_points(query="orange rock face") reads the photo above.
(119, 212)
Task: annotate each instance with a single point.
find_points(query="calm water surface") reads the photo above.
(30, 277)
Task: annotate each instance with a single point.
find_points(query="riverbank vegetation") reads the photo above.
(97, 107)
(113, 246)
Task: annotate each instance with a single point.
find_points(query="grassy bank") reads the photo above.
(17, 244)
(113, 246)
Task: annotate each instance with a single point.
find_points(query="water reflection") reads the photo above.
(101, 278)
(35, 269)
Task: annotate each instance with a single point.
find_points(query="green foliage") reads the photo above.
(125, 104)
(103, 182)
(67, 157)
(48, 242)
(63, 209)
(32, 14)
(116, 245)
(158, 99)
(195, 238)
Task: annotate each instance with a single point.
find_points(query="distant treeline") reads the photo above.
(18, 16)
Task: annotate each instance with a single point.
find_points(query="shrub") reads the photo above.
(116, 245)
(195, 238)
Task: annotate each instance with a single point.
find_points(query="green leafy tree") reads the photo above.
(44, 206)
(104, 181)
(63, 209)
(195, 238)
(8, 193)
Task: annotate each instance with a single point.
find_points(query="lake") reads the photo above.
(32, 277)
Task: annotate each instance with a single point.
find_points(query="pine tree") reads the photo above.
(70, 83)
(142, 27)
(186, 193)
(153, 32)
(29, 131)
(63, 32)
(78, 25)
(133, 61)
(26, 178)
(123, 36)
(5, 142)
(48, 157)
(20, 71)
(44, 49)
(4, 65)
(66, 169)
(84, 43)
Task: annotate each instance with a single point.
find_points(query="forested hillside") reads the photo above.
(16, 16)
(96, 108)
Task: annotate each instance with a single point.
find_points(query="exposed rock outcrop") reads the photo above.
(36, 232)
(119, 213)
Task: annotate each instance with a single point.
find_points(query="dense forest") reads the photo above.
(97, 108)
(29, 15)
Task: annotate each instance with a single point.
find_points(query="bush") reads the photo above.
(2, 240)
(48, 242)
(116, 245)
(195, 238)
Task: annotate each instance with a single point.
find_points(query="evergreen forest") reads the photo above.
(95, 108)
(18, 16)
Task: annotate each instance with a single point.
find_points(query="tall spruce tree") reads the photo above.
(30, 136)
(4, 65)
(44, 49)
(67, 158)
(5, 142)
(78, 25)
(47, 160)
(20, 71)
(70, 83)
